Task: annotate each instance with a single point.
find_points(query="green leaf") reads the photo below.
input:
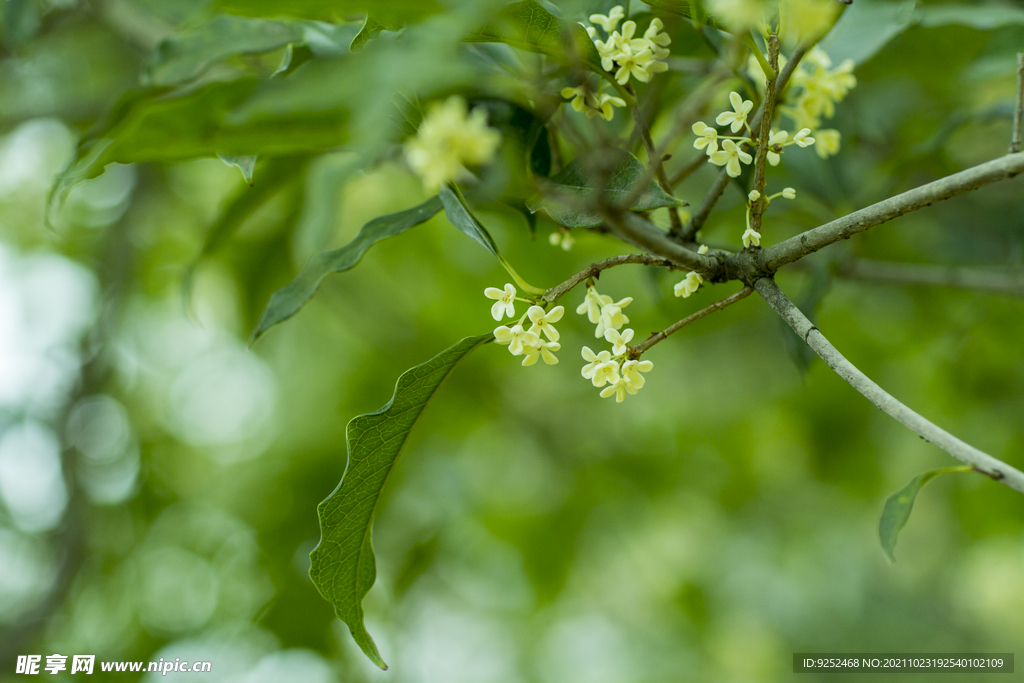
(342, 566)
(463, 219)
(572, 190)
(866, 27)
(982, 17)
(161, 126)
(370, 30)
(286, 302)
(183, 57)
(528, 26)
(898, 506)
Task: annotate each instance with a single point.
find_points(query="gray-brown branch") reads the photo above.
(962, 451)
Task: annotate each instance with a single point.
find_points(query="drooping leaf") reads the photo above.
(342, 566)
(180, 58)
(243, 162)
(528, 26)
(573, 190)
(982, 17)
(463, 219)
(286, 301)
(898, 506)
(686, 9)
(866, 27)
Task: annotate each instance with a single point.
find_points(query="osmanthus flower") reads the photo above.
(789, 193)
(633, 62)
(542, 320)
(730, 156)
(516, 337)
(448, 138)
(606, 373)
(592, 304)
(505, 301)
(736, 118)
(659, 41)
(776, 140)
(688, 285)
(592, 103)
(620, 342)
(827, 142)
(611, 21)
(630, 373)
(612, 317)
(595, 361)
(616, 389)
(803, 138)
(706, 137)
(543, 350)
(751, 237)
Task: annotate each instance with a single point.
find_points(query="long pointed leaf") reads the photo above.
(287, 301)
(342, 566)
(898, 506)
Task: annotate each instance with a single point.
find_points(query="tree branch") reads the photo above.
(593, 269)
(936, 276)
(979, 460)
(794, 248)
(636, 351)
(632, 228)
(1018, 112)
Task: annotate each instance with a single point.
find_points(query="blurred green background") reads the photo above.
(159, 481)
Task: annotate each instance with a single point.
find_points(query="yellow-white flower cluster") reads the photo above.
(816, 88)
(611, 371)
(449, 138)
(527, 343)
(628, 56)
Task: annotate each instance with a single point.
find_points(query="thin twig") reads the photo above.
(593, 269)
(696, 222)
(768, 108)
(935, 276)
(636, 351)
(979, 460)
(794, 248)
(1018, 112)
